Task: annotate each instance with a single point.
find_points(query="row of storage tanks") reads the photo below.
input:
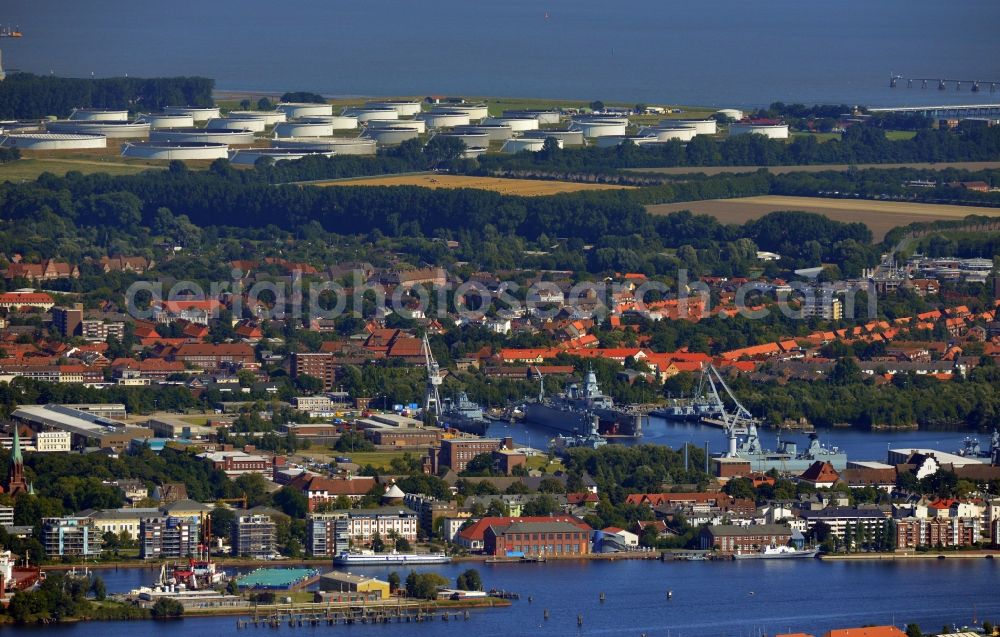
(303, 129)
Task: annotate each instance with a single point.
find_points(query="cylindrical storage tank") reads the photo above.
(444, 119)
(53, 141)
(517, 144)
(615, 140)
(731, 113)
(701, 126)
(543, 117)
(249, 156)
(270, 117)
(255, 124)
(339, 122)
(471, 140)
(475, 112)
(174, 150)
(567, 137)
(418, 124)
(600, 128)
(387, 136)
(370, 114)
(403, 108)
(773, 131)
(167, 120)
(496, 132)
(473, 151)
(119, 130)
(98, 115)
(292, 110)
(517, 124)
(337, 145)
(303, 129)
(231, 137)
(665, 134)
(198, 113)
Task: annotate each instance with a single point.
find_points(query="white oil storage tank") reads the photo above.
(255, 124)
(767, 128)
(701, 126)
(600, 127)
(389, 136)
(403, 108)
(517, 144)
(98, 127)
(303, 129)
(365, 114)
(338, 122)
(731, 113)
(52, 141)
(270, 117)
(617, 140)
(166, 120)
(418, 124)
(496, 132)
(98, 115)
(476, 112)
(665, 134)
(517, 124)
(471, 140)
(293, 109)
(567, 137)
(231, 137)
(444, 119)
(249, 156)
(543, 117)
(175, 150)
(198, 113)
(337, 145)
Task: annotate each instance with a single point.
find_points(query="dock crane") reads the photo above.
(735, 423)
(432, 395)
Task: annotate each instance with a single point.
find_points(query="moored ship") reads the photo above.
(777, 553)
(464, 415)
(584, 411)
(370, 558)
(788, 458)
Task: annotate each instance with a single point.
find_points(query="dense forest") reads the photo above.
(28, 96)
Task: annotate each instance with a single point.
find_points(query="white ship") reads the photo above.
(776, 553)
(370, 558)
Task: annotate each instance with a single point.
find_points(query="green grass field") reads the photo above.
(29, 169)
(896, 135)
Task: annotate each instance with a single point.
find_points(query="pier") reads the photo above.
(948, 110)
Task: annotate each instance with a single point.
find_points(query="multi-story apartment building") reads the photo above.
(168, 537)
(71, 537)
(254, 536)
(330, 533)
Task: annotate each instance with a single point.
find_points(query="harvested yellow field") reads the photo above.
(880, 216)
(522, 187)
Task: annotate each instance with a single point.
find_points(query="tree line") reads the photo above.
(29, 96)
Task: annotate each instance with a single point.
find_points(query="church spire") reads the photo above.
(16, 455)
(15, 474)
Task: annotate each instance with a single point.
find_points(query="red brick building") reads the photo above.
(544, 538)
(215, 356)
(456, 453)
(731, 539)
(320, 490)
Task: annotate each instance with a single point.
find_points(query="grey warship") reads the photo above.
(464, 415)
(583, 411)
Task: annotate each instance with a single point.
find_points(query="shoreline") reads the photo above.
(911, 555)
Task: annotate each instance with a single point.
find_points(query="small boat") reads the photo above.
(777, 553)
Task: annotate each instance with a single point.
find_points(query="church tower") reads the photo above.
(15, 475)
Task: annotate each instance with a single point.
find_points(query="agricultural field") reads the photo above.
(29, 168)
(522, 187)
(879, 216)
(778, 170)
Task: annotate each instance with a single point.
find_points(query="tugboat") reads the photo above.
(583, 411)
(464, 415)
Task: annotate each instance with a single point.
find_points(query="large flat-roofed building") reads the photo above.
(552, 539)
(71, 537)
(348, 587)
(85, 428)
(167, 427)
(456, 453)
(236, 463)
(254, 536)
(731, 538)
(168, 537)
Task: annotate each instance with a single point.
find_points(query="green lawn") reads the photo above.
(896, 135)
(820, 137)
(30, 169)
(377, 459)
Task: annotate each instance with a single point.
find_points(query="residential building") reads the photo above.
(17, 300)
(429, 510)
(840, 519)
(321, 365)
(169, 537)
(937, 532)
(52, 441)
(320, 491)
(312, 403)
(211, 356)
(820, 474)
(331, 533)
(824, 306)
(67, 320)
(6, 516)
(71, 537)
(254, 536)
(122, 521)
(99, 330)
(730, 538)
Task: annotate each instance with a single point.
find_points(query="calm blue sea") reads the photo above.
(723, 53)
(720, 599)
